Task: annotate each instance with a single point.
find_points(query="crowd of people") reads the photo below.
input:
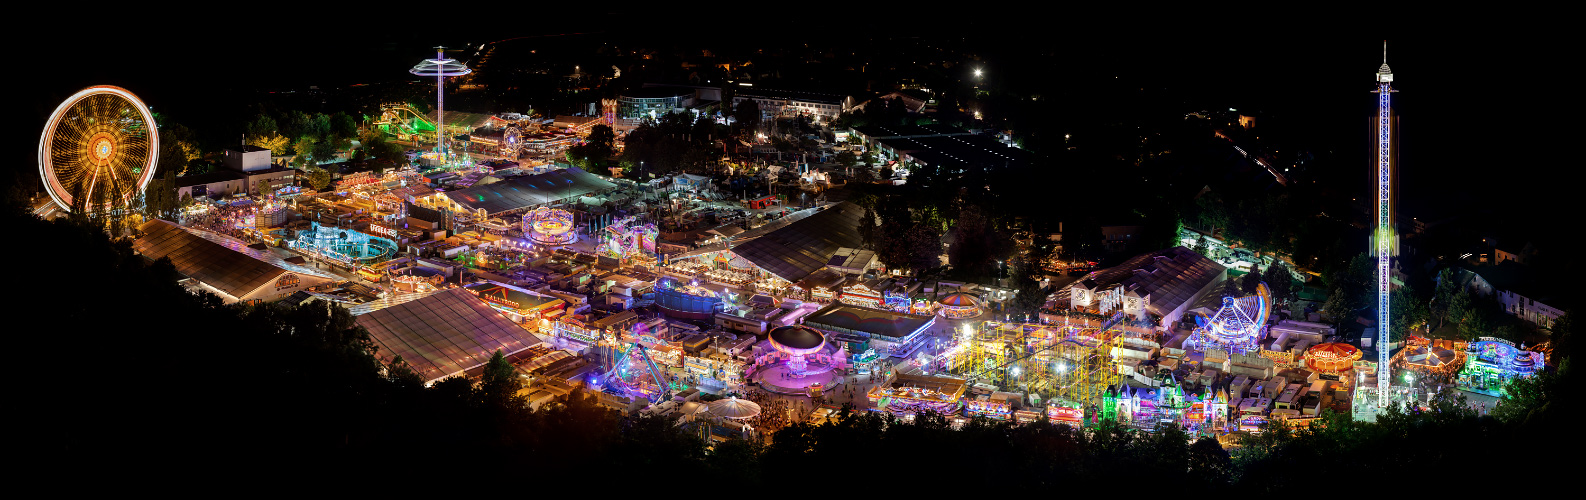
(221, 219)
(774, 411)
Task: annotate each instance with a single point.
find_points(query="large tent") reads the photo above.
(444, 334)
(227, 265)
(807, 245)
(733, 408)
(530, 191)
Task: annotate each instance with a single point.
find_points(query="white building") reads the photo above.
(1162, 284)
(783, 103)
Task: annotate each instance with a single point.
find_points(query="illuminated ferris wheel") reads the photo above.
(100, 145)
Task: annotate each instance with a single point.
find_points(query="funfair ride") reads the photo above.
(626, 238)
(440, 67)
(549, 226)
(99, 150)
(1384, 242)
(632, 373)
(1236, 327)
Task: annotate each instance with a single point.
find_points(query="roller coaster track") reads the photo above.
(392, 114)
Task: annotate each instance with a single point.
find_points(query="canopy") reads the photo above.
(733, 408)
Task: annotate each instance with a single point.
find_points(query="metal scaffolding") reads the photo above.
(1071, 364)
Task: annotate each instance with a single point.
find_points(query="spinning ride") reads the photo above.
(440, 67)
(802, 364)
(634, 374)
(1332, 358)
(627, 238)
(1236, 327)
(98, 150)
(511, 142)
(345, 245)
(549, 226)
(959, 306)
(797, 341)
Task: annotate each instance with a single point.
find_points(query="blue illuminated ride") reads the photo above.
(634, 374)
(344, 245)
(1236, 327)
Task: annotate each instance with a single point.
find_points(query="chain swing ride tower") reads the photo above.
(1384, 242)
(440, 67)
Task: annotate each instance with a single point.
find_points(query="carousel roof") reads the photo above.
(1336, 349)
(733, 407)
(1331, 357)
(797, 337)
(960, 299)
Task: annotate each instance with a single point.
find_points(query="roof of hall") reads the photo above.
(226, 264)
(445, 333)
(796, 250)
(530, 190)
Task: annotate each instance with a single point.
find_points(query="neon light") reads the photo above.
(115, 147)
(1384, 237)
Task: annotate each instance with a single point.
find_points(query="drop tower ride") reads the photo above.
(1384, 242)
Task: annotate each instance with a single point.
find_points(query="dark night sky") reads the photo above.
(1476, 112)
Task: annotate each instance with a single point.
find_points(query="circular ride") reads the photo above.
(797, 341)
(345, 245)
(511, 142)
(1427, 358)
(1332, 358)
(803, 360)
(958, 305)
(98, 150)
(549, 226)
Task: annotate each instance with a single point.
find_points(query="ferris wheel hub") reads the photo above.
(100, 144)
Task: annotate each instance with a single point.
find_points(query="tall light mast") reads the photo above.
(440, 67)
(1384, 242)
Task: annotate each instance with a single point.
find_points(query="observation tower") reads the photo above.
(440, 67)
(1384, 242)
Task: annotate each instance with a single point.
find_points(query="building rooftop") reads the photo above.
(893, 131)
(444, 334)
(864, 319)
(959, 151)
(530, 190)
(217, 175)
(1523, 280)
(658, 92)
(1170, 277)
(221, 262)
(766, 93)
(794, 251)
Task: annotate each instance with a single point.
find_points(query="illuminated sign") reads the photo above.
(383, 230)
(287, 280)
